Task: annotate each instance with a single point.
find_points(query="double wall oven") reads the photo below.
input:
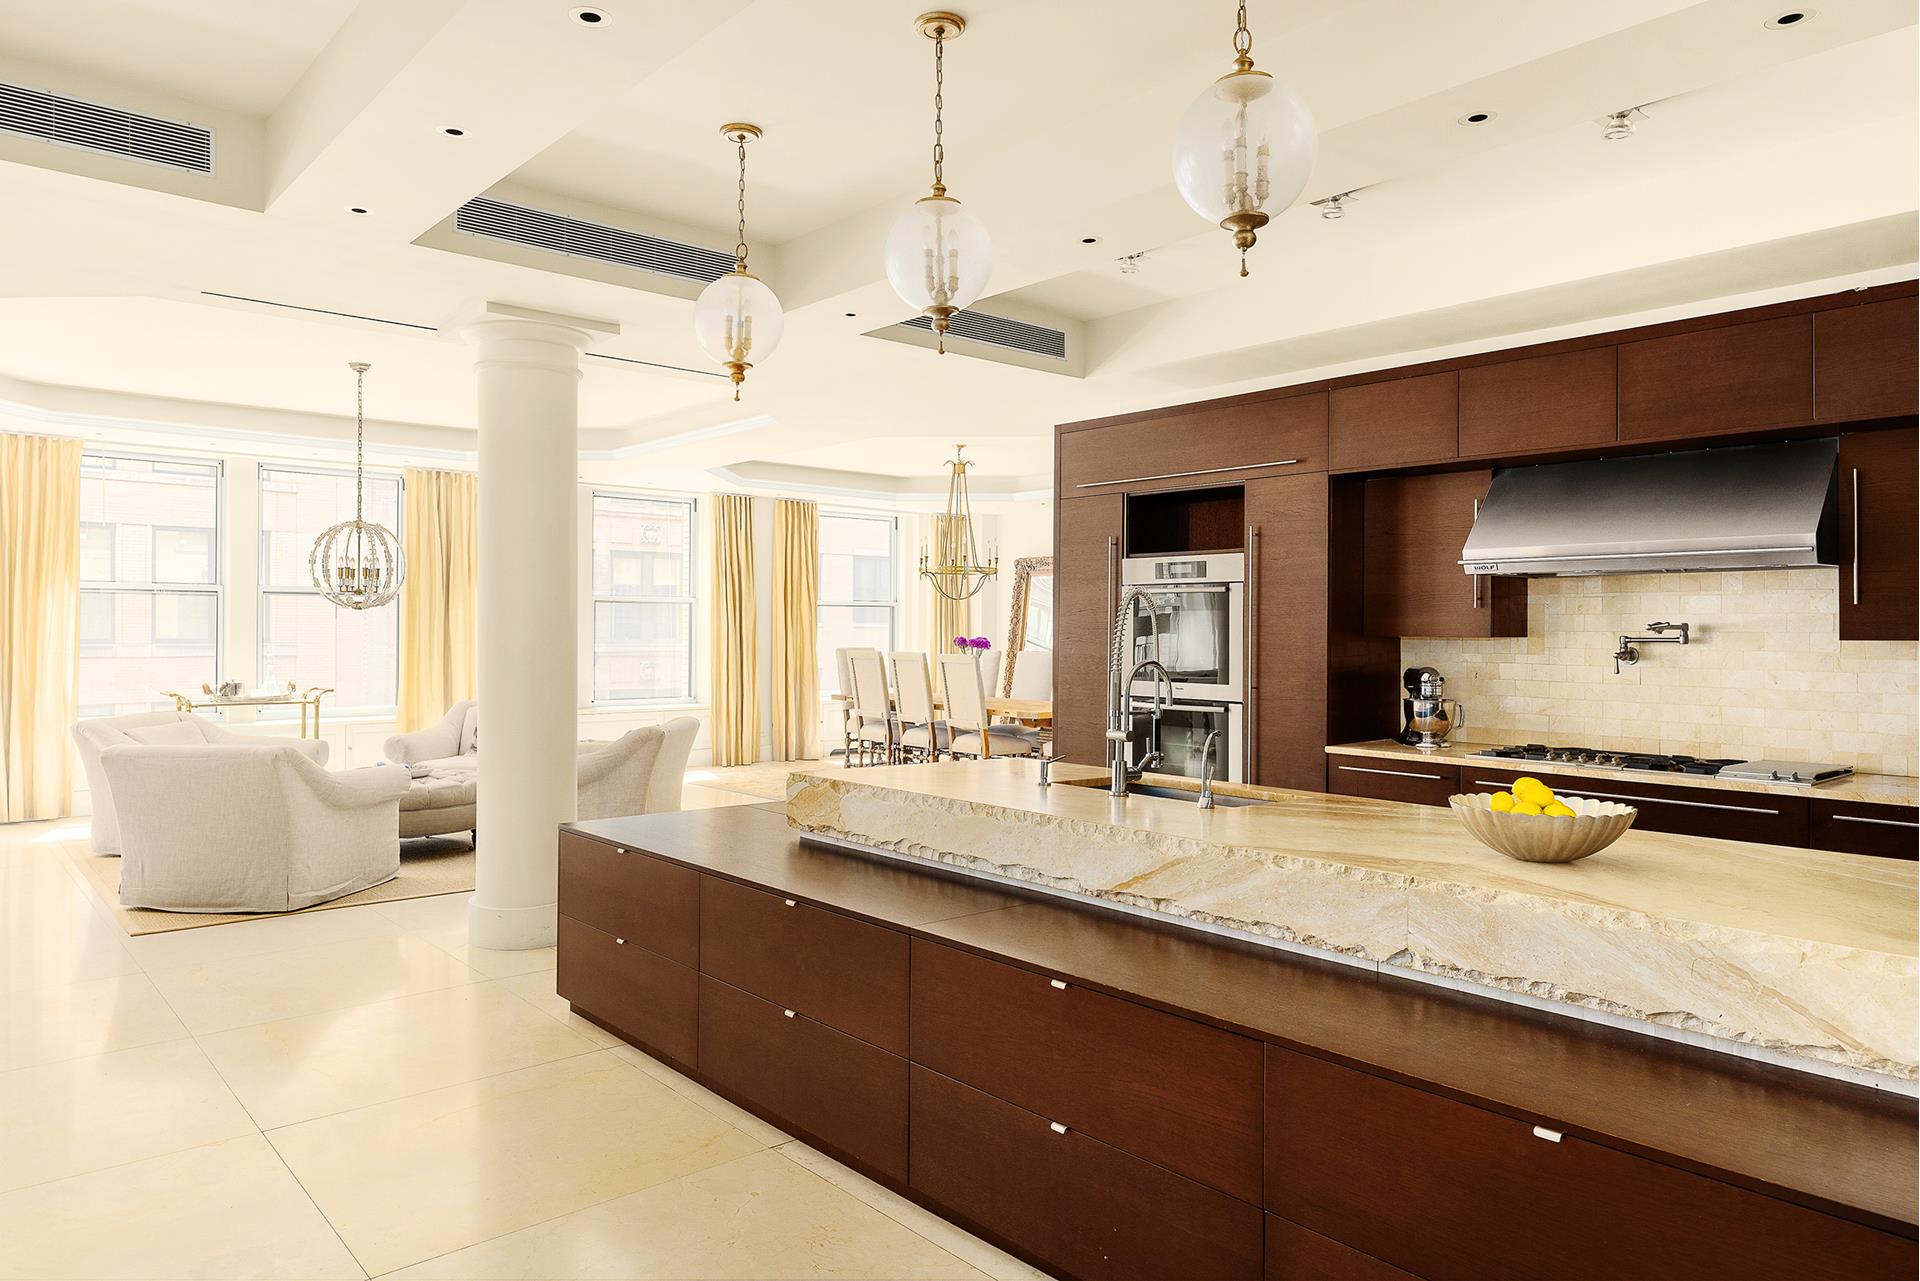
(1195, 626)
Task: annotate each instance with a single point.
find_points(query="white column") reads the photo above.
(528, 374)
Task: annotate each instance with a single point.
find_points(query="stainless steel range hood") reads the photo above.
(1741, 507)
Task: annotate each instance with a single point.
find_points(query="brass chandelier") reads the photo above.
(358, 564)
(955, 568)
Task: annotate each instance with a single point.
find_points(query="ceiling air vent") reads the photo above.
(999, 331)
(560, 234)
(93, 126)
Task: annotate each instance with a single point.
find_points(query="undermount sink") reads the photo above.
(1174, 793)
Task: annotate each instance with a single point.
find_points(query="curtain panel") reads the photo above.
(439, 603)
(796, 630)
(950, 618)
(734, 656)
(39, 623)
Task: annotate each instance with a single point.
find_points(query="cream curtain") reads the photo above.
(734, 655)
(438, 619)
(950, 618)
(796, 630)
(39, 623)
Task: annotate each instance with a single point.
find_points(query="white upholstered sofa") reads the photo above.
(248, 827)
(92, 737)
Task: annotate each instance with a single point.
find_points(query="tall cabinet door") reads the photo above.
(1879, 545)
(1286, 712)
(1415, 528)
(1086, 571)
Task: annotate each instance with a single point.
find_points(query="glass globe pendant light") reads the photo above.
(1244, 148)
(358, 564)
(737, 319)
(938, 254)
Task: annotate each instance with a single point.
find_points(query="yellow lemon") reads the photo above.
(1532, 789)
(1526, 807)
(1501, 802)
(1558, 810)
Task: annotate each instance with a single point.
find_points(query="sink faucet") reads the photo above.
(1119, 727)
(1629, 654)
(1206, 771)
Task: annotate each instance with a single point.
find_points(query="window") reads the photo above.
(857, 603)
(150, 591)
(642, 599)
(305, 639)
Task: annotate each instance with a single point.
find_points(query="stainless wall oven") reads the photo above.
(1184, 726)
(1194, 624)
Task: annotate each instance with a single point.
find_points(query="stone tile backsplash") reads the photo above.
(1764, 675)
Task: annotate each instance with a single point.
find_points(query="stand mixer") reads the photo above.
(1430, 716)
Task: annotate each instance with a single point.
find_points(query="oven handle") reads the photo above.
(1138, 703)
(1174, 586)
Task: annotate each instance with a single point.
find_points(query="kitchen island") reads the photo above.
(1116, 1097)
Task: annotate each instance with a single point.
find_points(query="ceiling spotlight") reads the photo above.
(1130, 265)
(1333, 208)
(1619, 127)
(1475, 118)
(587, 16)
(451, 132)
(1791, 18)
(1089, 240)
(356, 209)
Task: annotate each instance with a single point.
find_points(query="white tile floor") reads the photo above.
(358, 1093)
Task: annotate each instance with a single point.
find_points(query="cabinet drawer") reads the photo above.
(1086, 1209)
(849, 1095)
(1562, 401)
(1397, 423)
(1735, 378)
(1888, 831)
(640, 994)
(1220, 445)
(1162, 1087)
(1391, 779)
(643, 899)
(1487, 1197)
(845, 973)
(1295, 1254)
(1686, 811)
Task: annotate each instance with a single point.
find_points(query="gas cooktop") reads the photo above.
(1769, 771)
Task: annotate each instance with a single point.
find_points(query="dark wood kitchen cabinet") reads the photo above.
(1764, 818)
(1736, 378)
(1561, 401)
(1415, 527)
(1287, 637)
(1381, 778)
(1197, 445)
(1860, 827)
(1086, 572)
(1864, 361)
(1879, 535)
(1402, 422)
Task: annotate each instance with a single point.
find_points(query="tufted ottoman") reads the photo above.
(439, 803)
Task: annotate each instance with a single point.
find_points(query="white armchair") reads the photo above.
(91, 738)
(240, 827)
(640, 772)
(452, 743)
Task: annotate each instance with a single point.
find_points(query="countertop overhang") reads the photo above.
(1811, 955)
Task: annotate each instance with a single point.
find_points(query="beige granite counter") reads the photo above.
(1811, 955)
(1878, 789)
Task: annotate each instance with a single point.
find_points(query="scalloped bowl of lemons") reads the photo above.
(1533, 825)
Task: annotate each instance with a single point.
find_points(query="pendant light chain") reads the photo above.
(359, 440)
(939, 109)
(1243, 38)
(740, 245)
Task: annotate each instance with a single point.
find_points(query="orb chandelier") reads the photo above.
(1244, 148)
(955, 569)
(737, 318)
(358, 564)
(938, 254)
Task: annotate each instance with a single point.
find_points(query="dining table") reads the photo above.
(1028, 711)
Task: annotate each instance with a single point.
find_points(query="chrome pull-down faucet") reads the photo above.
(1119, 722)
(1629, 653)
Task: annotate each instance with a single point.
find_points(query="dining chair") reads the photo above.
(922, 733)
(873, 723)
(1033, 679)
(967, 719)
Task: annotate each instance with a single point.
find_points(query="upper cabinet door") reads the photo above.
(1086, 560)
(1713, 381)
(1538, 404)
(1412, 582)
(1864, 361)
(1219, 446)
(1403, 422)
(1879, 535)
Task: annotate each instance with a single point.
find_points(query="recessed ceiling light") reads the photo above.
(356, 209)
(1475, 118)
(452, 132)
(853, 315)
(587, 16)
(1791, 18)
(1089, 240)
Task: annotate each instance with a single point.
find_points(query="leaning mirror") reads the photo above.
(1030, 621)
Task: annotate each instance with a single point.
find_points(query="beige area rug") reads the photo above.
(428, 866)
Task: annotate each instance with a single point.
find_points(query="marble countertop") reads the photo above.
(1808, 953)
(1879, 789)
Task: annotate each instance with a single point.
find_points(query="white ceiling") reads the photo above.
(1771, 163)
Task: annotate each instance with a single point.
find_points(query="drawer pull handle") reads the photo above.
(1396, 773)
(1542, 1132)
(1647, 800)
(1056, 1127)
(1883, 822)
(788, 1013)
(787, 901)
(620, 941)
(1058, 984)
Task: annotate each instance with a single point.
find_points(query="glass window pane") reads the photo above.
(642, 650)
(642, 547)
(130, 501)
(297, 506)
(856, 558)
(307, 640)
(850, 627)
(96, 553)
(183, 556)
(137, 645)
